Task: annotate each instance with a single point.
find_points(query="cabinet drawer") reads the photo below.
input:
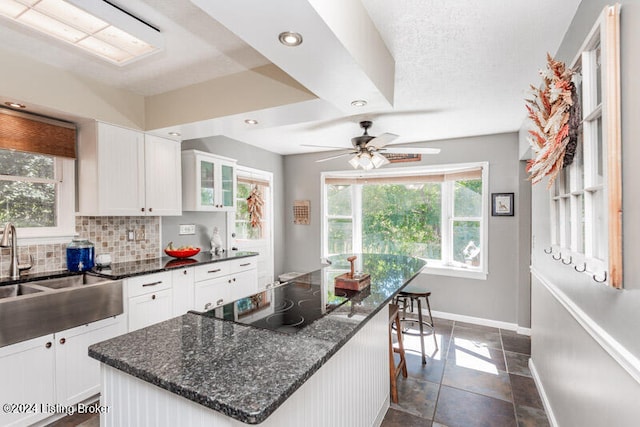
(212, 271)
(212, 293)
(243, 264)
(149, 309)
(149, 283)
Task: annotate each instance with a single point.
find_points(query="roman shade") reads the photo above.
(420, 178)
(35, 134)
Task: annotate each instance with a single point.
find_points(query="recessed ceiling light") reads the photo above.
(15, 104)
(289, 38)
(174, 133)
(251, 122)
(358, 103)
(97, 27)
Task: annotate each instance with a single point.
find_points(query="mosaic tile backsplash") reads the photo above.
(108, 234)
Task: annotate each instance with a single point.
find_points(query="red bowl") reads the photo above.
(182, 254)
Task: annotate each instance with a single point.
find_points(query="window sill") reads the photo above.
(49, 239)
(441, 270)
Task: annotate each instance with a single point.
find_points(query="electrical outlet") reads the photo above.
(187, 229)
(139, 234)
(130, 235)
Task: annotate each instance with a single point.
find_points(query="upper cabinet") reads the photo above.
(123, 172)
(208, 182)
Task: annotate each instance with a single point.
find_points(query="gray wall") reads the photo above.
(498, 297)
(246, 155)
(571, 313)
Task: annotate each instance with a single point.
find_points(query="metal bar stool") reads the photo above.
(394, 371)
(415, 293)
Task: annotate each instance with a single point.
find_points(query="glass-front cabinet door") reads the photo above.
(227, 185)
(207, 183)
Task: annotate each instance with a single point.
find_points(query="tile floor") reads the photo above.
(478, 377)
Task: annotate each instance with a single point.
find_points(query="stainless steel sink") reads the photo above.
(16, 290)
(37, 308)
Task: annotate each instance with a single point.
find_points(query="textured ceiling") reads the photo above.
(461, 67)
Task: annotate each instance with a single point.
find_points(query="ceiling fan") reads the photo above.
(368, 151)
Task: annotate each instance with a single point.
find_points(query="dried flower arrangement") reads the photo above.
(254, 206)
(555, 112)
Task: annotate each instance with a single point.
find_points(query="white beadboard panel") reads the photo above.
(581, 382)
(350, 390)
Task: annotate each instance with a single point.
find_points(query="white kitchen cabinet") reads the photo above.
(148, 299)
(28, 374)
(212, 293)
(182, 281)
(123, 172)
(223, 282)
(208, 182)
(52, 369)
(77, 374)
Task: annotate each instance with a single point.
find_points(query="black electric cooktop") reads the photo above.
(286, 308)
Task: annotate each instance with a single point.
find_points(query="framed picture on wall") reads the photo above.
(501, 204)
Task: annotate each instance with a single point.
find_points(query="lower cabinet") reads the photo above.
(77, 374)
(239, 279)
(211, 293)
(182, 286)
(146, 310)
(52, 369)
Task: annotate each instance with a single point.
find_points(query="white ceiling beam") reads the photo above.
(342, 57)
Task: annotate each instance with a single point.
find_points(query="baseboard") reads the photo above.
(543, 394)
(383, 411)
(481, 321)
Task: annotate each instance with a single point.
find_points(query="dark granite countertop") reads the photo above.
(245, 372)
(123, 270)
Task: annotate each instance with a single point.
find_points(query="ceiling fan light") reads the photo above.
(354, 162)
(365, 162)
(379, 160)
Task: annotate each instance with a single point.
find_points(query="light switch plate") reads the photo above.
(187, 229)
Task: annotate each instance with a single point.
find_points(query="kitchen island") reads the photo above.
(199, 370)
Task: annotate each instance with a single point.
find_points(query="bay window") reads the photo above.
(435, 213)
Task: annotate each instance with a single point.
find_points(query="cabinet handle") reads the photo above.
(220, 301)
(142, 209)
(63, 340)
(152, 283)
(153, 296)
(214, 271)
(48, 345)
(246, 264)
(150, 209)
(207, 306)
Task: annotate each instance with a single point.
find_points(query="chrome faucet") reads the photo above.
(14, 267)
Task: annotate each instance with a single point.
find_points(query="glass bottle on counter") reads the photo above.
(80, 255)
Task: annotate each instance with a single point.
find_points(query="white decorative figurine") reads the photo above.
(216, 241)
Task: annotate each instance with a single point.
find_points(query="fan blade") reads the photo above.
(381, 140)
(324, 146)
(333, 157)
(410, 150)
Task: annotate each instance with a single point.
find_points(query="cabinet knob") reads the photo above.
(220, 301)
(207, 306)
(153, 297)
(234, 279)
(150, 209)
(63, 340)
(185, 272)
(48, 345)
(229, 280)
(142, 209)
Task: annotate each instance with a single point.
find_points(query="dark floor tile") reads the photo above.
(482, 336)
(517, 363)
(515, 342)
(470, 354)
(75, 420)
(525, 392)
(495, 384)
(531, 417)
(396, 418)
(432, 371)
(459, 408)
(417, 397)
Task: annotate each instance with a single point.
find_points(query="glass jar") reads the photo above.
(80, 255)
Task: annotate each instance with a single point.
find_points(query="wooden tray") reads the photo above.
(345, 281)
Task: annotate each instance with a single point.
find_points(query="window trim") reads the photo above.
(65, 209)
(434, 267)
